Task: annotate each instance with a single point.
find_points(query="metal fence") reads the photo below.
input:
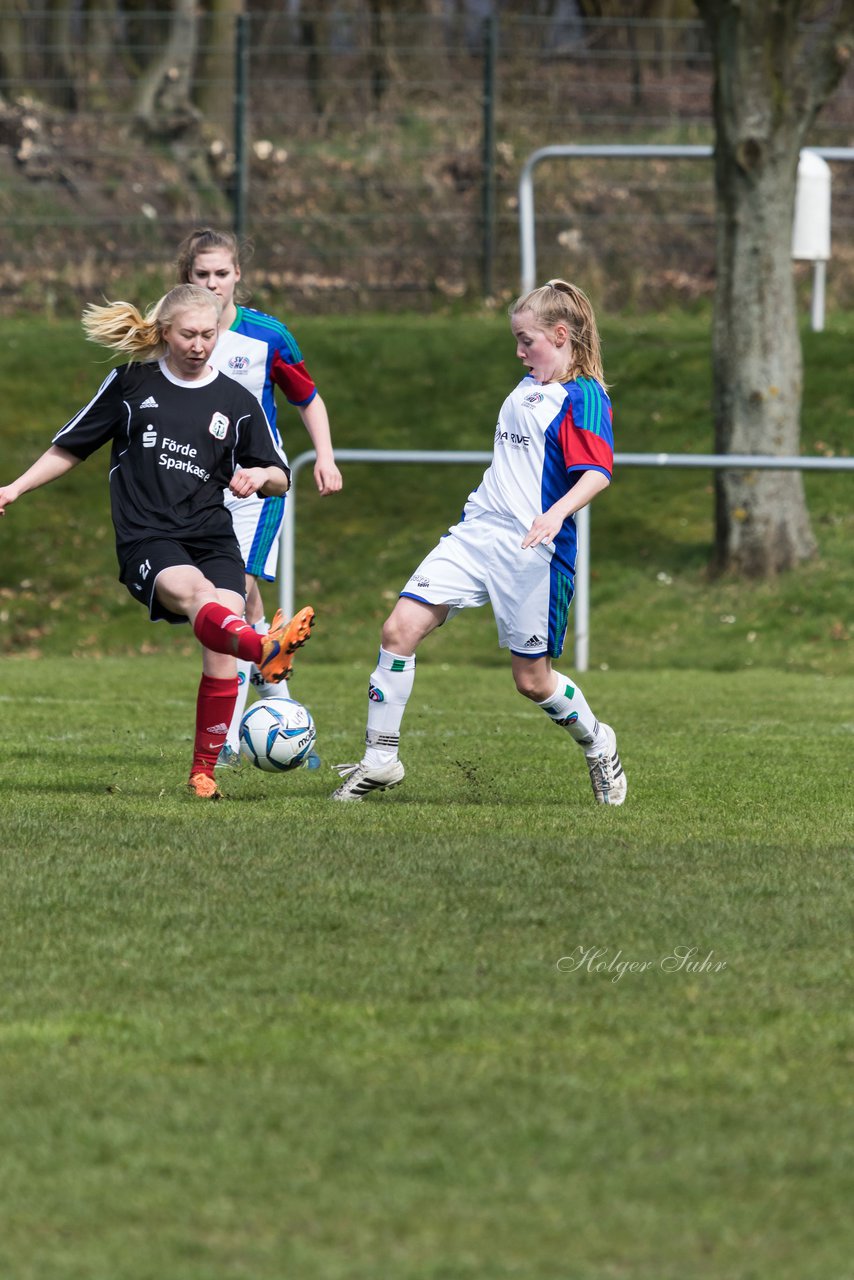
(581, 601)
(371, 152)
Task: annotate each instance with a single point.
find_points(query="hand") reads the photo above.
(247, 481)
(327, 477)
(8, 494)
(544, 530)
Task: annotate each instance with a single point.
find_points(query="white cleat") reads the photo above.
(606, 773)
(361, 779)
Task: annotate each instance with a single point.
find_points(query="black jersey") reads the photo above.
(176, 446)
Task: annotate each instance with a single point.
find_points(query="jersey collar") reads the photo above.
(181, 382)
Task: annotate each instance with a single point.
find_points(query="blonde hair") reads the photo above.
(558, 302)
(120, 327)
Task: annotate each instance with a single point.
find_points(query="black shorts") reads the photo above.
(218, 558)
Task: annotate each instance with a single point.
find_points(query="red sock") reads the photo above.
(214, 709)
(224, 632)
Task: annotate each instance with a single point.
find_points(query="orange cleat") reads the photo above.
(204, 786)
(281, 643)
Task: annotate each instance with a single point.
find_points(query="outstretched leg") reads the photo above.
(388, 693)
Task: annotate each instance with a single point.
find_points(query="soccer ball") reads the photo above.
(277, 734)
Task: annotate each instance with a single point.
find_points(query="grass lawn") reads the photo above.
(278, 1037)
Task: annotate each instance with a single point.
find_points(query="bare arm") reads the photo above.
(547, 526)
(315, 419)
(53, 463)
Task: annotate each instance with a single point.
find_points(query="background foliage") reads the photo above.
(369, 181)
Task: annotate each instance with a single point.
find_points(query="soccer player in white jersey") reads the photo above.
(515, 545)
(259, 351)
(180, 432)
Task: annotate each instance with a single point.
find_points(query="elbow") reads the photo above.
(277, 484)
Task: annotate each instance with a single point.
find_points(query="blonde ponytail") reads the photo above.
(121, 327)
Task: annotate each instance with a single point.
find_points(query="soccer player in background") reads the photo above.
(261, 352)
(515, 545)
(180, 432)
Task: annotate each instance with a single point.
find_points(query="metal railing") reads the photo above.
(640, 151)
(581, 601)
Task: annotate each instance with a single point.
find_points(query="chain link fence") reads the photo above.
(371, 153)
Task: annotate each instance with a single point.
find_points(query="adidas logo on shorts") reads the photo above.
(534, 643)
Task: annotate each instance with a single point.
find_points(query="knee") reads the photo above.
(409, 622)
(395, 636)
(533, 684)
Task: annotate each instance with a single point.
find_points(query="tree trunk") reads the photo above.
(767, 93)
(378, 57)
(103, 41)
(164, 107)
(217, 85)
(12, 61)
(762, 524)
(61, 70)
(314, 38)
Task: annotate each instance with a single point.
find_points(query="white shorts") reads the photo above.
(257, 523)
(481, 560)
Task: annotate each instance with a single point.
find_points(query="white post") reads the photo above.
(811, 226)
(288, 542)
(581, 602)
(817, 312)
(527, 226)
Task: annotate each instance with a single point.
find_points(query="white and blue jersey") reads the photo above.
(547, 435)
(262, 354)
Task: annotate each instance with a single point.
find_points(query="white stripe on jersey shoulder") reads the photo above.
(73, 423)
(244, 417)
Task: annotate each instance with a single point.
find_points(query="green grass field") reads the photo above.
(275, 1037)
(478, 1027)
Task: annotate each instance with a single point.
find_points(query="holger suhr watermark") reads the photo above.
(682, 959)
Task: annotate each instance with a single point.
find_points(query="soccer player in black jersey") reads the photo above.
(260, 352)
(178, 431)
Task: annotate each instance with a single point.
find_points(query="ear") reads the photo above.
(560, 334)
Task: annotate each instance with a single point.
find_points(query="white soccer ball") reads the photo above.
(277, 734)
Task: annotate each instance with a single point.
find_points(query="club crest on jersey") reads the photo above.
(535, 397)
(219, 426)
(238, 364)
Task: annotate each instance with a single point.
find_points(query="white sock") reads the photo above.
(568, 707)
(390, 687)
(244, 670)
(245, 673)
(261, 687)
